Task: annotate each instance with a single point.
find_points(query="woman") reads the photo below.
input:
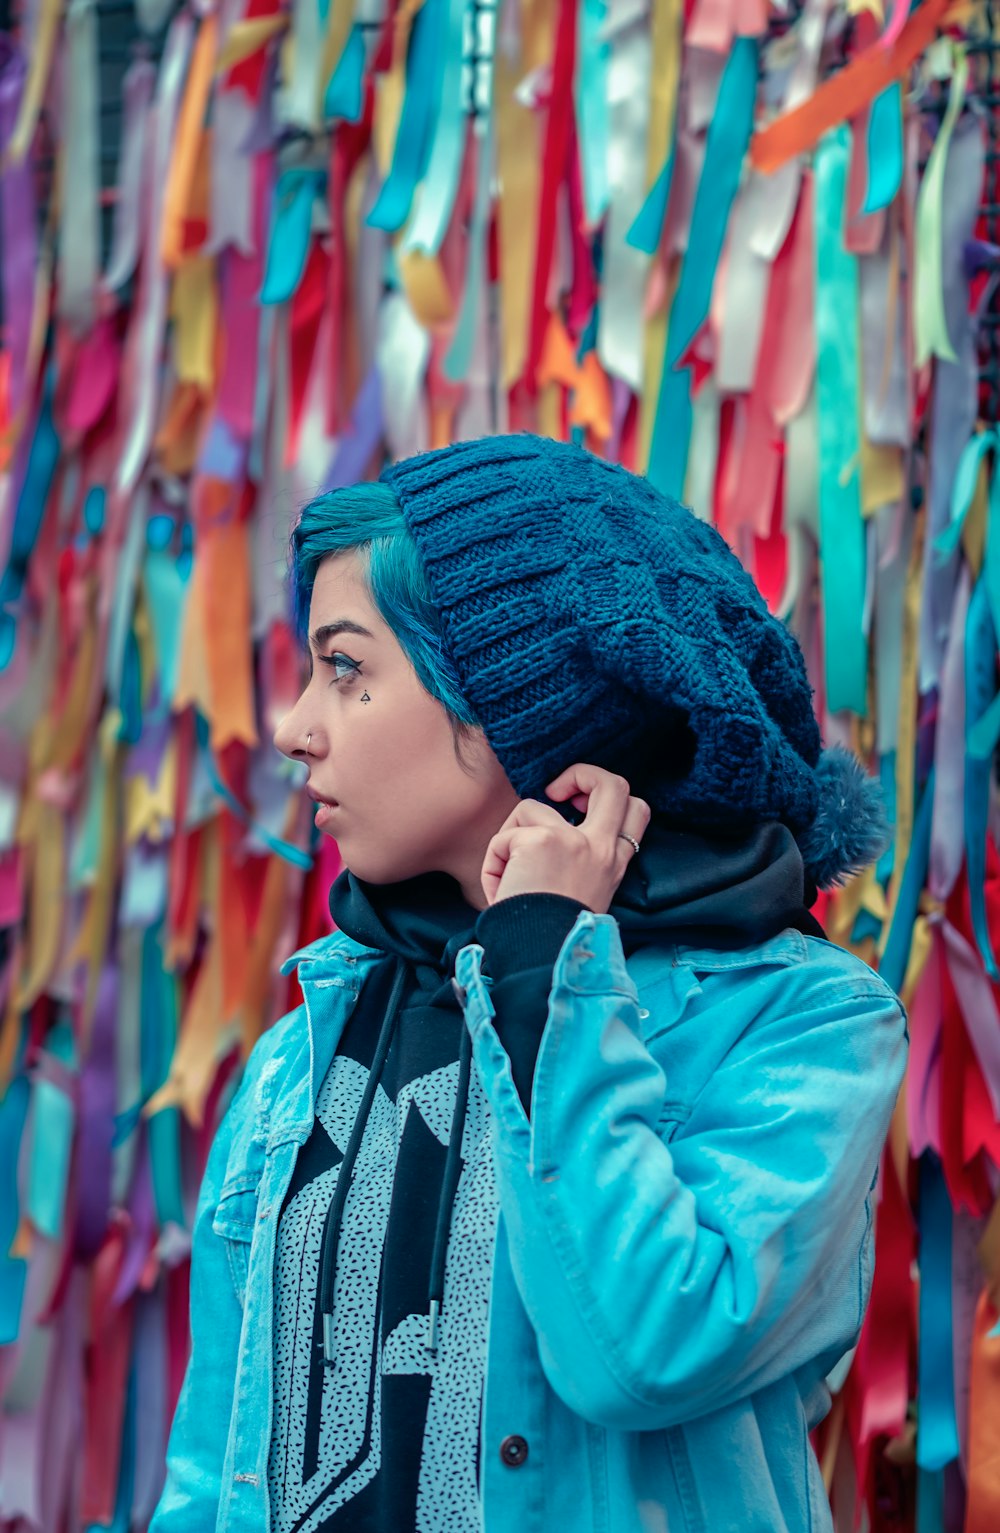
(550, 1207)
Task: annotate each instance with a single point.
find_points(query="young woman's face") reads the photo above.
(381, 752)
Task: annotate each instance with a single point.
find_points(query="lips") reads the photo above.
(321, 798)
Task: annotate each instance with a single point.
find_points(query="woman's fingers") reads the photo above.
(606, 793)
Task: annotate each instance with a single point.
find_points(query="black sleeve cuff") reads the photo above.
(521, 938)
(525, 931)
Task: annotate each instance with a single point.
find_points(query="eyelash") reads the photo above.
(336, 659)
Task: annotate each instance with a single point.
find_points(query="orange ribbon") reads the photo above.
(846, 93)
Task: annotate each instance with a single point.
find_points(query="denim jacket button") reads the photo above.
(513, 1451)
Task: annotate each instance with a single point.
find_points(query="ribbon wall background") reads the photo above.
(247, 250)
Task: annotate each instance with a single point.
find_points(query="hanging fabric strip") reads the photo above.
(982, 724)
(424, 65)
(947, 840)
(18, 257)
(141, 366)
(623, 279)
(728, 136)
(189, 145)
(558, 136)
(847, 93)
(666, 33)
(895, 956)
(842, 537)
(885, 149)
(38, 78)
(455, 366)
(291, 233)
(444, 165)
(137, 91)
(937, 1438)
(930, 326)
(79, 229)
(591, 92)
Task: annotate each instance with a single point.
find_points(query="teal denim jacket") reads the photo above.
(684, 1248)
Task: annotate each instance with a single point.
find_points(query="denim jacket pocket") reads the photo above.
(233, 1222)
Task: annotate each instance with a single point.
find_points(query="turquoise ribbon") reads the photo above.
(887, 782)
(982, 723)
(671, 438)
(93, 510)
(885, 149)
(930, 1500)
(728, 137)
(897, 948)
(43, 456)
(291, 229)
(937, 1430)
(947, 543)
(158, 1023)
(345, 93)
(53, 1119)
(590, 89)
(130, 696)
(842, 527)
(424, 64)
(444, 165)
(164, 577)
(292, 854)
(13, 1269)
(459, 354)
(647, 225)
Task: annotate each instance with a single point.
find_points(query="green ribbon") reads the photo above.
(842, 527)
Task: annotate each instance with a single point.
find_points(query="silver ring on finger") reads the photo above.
(630, 839)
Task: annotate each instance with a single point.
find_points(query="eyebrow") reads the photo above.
(328, 631)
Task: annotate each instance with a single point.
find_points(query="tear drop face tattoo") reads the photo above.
(388, 782)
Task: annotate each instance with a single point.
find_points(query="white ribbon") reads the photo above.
(79, 219)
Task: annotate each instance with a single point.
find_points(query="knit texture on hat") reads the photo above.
(591, 618)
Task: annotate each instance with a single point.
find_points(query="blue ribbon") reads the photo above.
(157, 1040)
(647, 225)
(671, 438)
(937, 1432)
(444, 164)
(344, 94)
(885, 148)
(728, 137)
(424, 64)
(946, 543)
(291, 228)
(897, 947)
(590, 88)
(13, 1269)
(982, 722)
(43, 456)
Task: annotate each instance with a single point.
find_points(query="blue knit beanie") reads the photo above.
(590, 618)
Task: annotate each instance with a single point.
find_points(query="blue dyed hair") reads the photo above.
(367, 519)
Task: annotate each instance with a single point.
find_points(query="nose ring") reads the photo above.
(308, 742)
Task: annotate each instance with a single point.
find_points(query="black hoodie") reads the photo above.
(415, 1127)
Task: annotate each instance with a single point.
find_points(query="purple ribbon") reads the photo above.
(17, 210)
(953, 413)
(96, 1120)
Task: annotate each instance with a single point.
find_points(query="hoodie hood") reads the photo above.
(711, 891)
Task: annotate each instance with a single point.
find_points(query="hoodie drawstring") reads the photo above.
(449, 1182)
(449, 1186)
